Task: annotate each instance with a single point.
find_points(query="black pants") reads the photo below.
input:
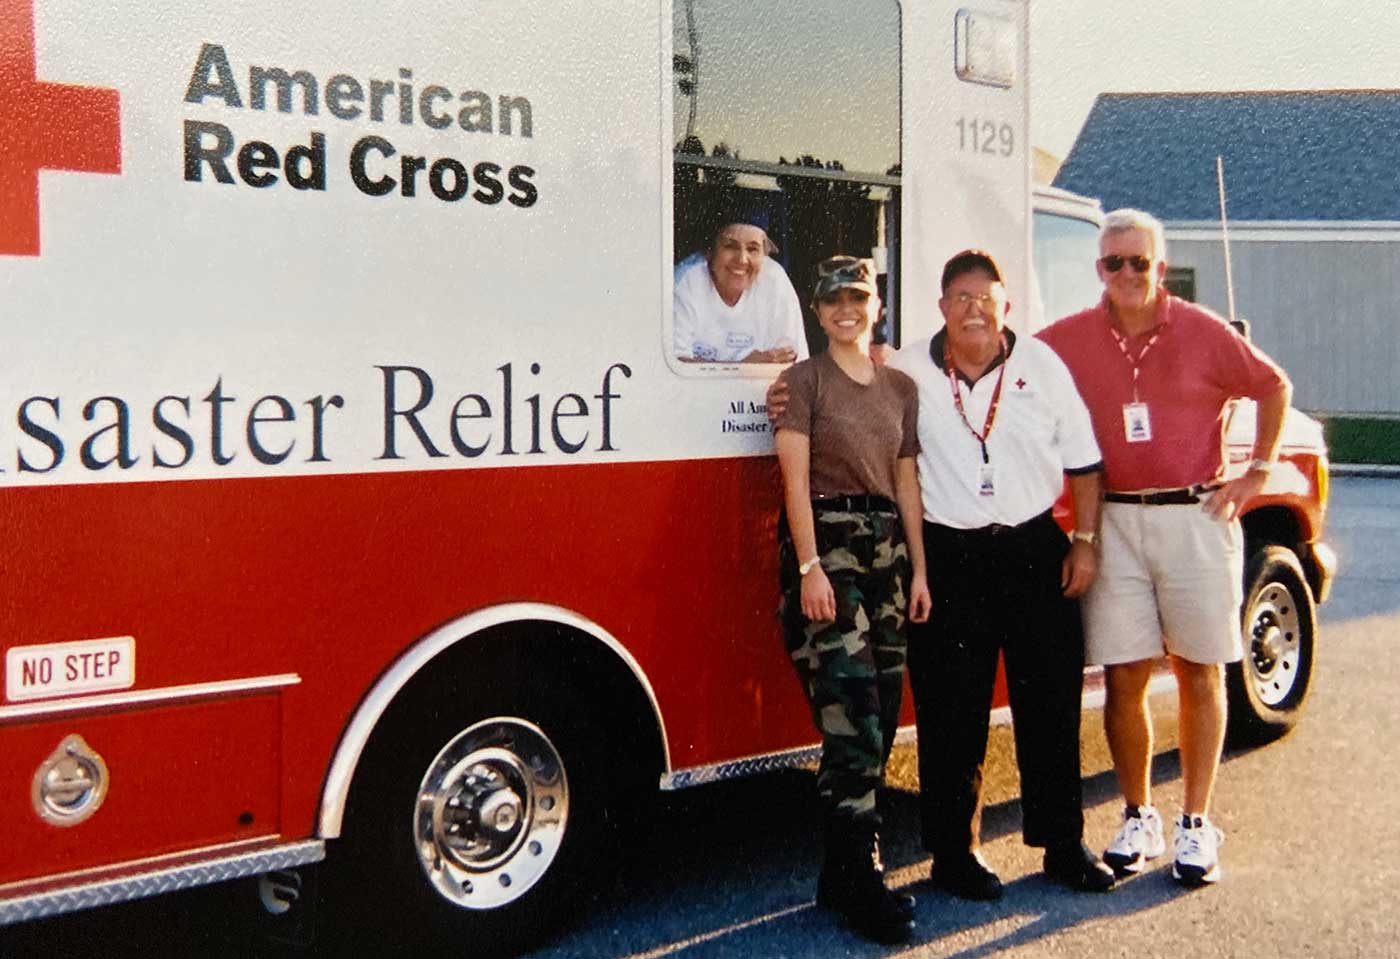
(997, 591)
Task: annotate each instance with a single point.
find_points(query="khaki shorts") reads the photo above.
(1170, 579)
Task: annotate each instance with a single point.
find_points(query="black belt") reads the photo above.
(1164, 497)
(865, 503)
(992, 529)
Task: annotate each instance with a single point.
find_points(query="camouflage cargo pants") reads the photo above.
(852, 669)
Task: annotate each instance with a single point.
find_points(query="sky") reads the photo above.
(1080, 48)
(778, 81)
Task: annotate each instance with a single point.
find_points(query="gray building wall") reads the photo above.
(1324, 309)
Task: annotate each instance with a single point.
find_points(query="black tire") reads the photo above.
(537, 738)
(1268, 688)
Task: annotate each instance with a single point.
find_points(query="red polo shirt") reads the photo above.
(1196, 365)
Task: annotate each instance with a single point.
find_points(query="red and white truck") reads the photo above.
(356, 505)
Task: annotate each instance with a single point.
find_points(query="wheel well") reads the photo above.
(519, 649)
(1279, 526)
(531, 652)
(1271, 525)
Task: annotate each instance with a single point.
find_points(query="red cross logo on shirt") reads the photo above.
(1020, 384)
(44, 126)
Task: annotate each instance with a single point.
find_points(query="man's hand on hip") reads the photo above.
(1226, 503)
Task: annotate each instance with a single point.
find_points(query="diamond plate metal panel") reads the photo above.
(107, 892)
(771, 762)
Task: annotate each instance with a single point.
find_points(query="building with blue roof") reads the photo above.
(1312, 182)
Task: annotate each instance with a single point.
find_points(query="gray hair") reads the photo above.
(1120, 221)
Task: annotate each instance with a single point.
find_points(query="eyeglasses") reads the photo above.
(1113, 263)
(984, 301)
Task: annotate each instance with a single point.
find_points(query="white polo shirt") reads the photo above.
(1042, 430)
(766, 317)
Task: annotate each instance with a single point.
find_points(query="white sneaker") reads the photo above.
(1139, 839)
(1196, 844)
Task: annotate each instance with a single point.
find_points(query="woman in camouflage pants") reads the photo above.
(852, 567)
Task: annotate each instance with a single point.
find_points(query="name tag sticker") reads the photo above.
(1137, 424)
(62, 669)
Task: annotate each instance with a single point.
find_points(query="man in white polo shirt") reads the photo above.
(1001, 426)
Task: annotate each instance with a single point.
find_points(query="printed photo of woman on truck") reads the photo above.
(852, 570)
(733, 302)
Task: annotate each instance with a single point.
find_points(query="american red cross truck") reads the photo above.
(357, 505)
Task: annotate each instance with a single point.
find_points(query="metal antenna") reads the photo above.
(1225, 236)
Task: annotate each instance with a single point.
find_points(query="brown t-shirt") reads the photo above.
(857, 432)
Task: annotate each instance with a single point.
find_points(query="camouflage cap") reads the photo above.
(837, 272)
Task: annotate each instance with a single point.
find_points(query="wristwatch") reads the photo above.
(1083, 536)
(806, 567)
(1260, 466)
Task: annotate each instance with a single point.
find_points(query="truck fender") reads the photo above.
(412, 660)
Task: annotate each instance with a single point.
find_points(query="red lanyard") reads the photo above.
(1134, 363)
(957, 397)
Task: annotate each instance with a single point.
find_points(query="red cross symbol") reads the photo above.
(1020, 384)
(44, 126)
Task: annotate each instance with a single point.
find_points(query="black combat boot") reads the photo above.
(834, 869)
(852, 883)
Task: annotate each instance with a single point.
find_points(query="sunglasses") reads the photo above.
(1113, 263)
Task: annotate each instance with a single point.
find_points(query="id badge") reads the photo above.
(986, 480)
(1137, 425)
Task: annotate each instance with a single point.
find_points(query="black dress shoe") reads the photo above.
(966, 877)
(1073, 865)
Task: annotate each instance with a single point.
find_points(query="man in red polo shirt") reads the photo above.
(1157, 374)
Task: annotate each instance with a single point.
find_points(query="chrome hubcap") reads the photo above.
(1274, 644)
(491, 812)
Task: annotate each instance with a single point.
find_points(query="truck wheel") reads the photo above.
(478, 825)
(1268, 687)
